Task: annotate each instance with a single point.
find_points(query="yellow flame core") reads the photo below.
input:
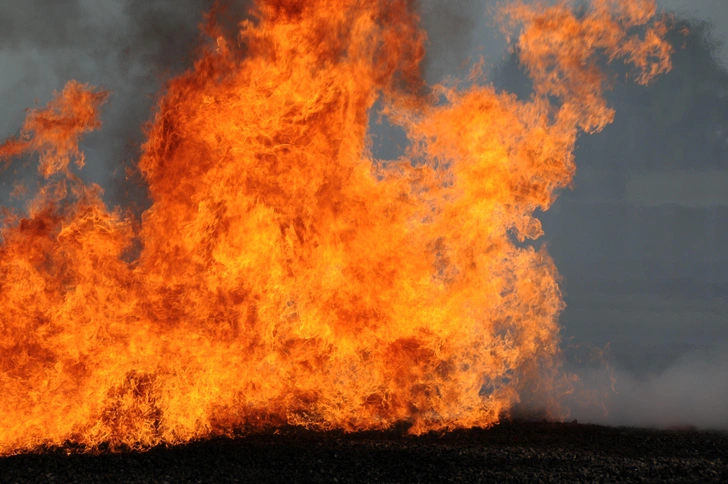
(286, 276)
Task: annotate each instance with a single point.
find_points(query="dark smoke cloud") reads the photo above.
(128, 47)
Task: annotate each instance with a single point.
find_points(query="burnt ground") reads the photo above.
(509, 452)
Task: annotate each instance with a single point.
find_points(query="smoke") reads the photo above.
(128, 47)
(640, 241)
(691, 392)
(451, 29)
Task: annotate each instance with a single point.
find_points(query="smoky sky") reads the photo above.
(128, 47)
(640, 240)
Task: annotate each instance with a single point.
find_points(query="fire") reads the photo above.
(282, 274)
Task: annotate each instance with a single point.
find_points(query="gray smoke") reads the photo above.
(128, 47)
(641, 239)
(692, 391)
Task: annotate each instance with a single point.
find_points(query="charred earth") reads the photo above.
(509, 452)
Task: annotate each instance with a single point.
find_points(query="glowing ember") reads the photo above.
(285, 275)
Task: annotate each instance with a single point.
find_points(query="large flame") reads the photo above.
(285, 276)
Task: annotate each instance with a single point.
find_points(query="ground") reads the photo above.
(509, 452)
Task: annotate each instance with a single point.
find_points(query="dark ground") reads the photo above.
(510, 452)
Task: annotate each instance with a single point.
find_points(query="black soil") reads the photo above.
(510, 452)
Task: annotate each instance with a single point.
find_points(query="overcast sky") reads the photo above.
(716, 11)
(641, 240)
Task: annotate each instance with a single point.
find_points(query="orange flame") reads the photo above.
(285, 275)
